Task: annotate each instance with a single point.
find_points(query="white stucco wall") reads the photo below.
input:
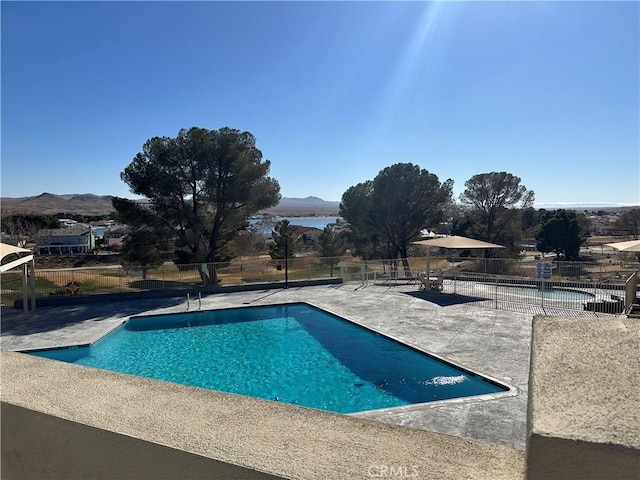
(584, 399)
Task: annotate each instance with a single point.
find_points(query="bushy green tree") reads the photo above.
(387, 213)
(140, 248)
(331, 245)
(201, 187)
(629, 222)
(495, 201)
(285, 241)
(560, 232)
(530, 221)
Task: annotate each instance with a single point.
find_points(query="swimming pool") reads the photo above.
(293, 353)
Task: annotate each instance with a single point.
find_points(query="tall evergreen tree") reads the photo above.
(201, 187)
(285, 241)
(496, 201)
(140, 248)
(331, 245)
(387, 213)
(630, 223)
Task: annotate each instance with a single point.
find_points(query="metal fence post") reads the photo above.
(455, 281)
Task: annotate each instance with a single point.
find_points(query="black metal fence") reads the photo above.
(119, 279)
(493, 282)
(506, 284)
(587, 271)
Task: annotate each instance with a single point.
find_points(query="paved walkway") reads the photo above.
(495, 343)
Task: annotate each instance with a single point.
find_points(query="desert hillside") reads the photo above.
(95, 205)
(49, 203)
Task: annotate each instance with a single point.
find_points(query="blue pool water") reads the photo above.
(549, 294)
(292, 353)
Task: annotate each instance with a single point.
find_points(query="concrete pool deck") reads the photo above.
(495, 343)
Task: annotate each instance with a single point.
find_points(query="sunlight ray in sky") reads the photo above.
(420, 57)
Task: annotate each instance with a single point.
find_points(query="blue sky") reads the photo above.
(332, 91)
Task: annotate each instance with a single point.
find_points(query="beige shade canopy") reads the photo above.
(6, 250)
(456, 241)
(27, 263)
(630, 246)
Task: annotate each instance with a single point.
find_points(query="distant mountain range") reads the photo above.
(49, 203)
(94, 205)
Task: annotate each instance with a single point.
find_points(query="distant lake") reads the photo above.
(317, 222)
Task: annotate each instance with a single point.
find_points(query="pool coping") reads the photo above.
(89, 343)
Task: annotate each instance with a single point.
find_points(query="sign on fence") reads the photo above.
(543, 270)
